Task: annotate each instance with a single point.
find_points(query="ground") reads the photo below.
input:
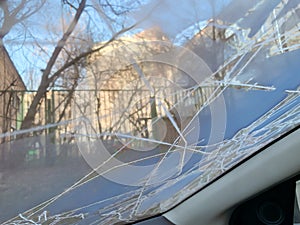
(23, 188)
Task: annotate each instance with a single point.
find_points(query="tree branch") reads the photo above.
(86, 54)
(45, 82)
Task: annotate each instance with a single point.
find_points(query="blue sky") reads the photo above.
(172, 17)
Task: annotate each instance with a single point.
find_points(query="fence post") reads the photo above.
(50, 137)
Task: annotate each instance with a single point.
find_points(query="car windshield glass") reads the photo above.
(114, 111)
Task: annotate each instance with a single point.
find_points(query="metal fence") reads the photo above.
(107, 112)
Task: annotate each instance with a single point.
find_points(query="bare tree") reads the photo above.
(47, 77)
(66, 62)
(12, 14)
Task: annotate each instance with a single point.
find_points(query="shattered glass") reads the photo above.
(222, 84)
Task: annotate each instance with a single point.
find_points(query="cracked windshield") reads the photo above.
(114, 111)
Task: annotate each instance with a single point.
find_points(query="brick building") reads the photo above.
(10, 82)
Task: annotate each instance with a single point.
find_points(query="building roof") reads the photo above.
(6, 56)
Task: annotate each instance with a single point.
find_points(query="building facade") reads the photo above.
(11, 87)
